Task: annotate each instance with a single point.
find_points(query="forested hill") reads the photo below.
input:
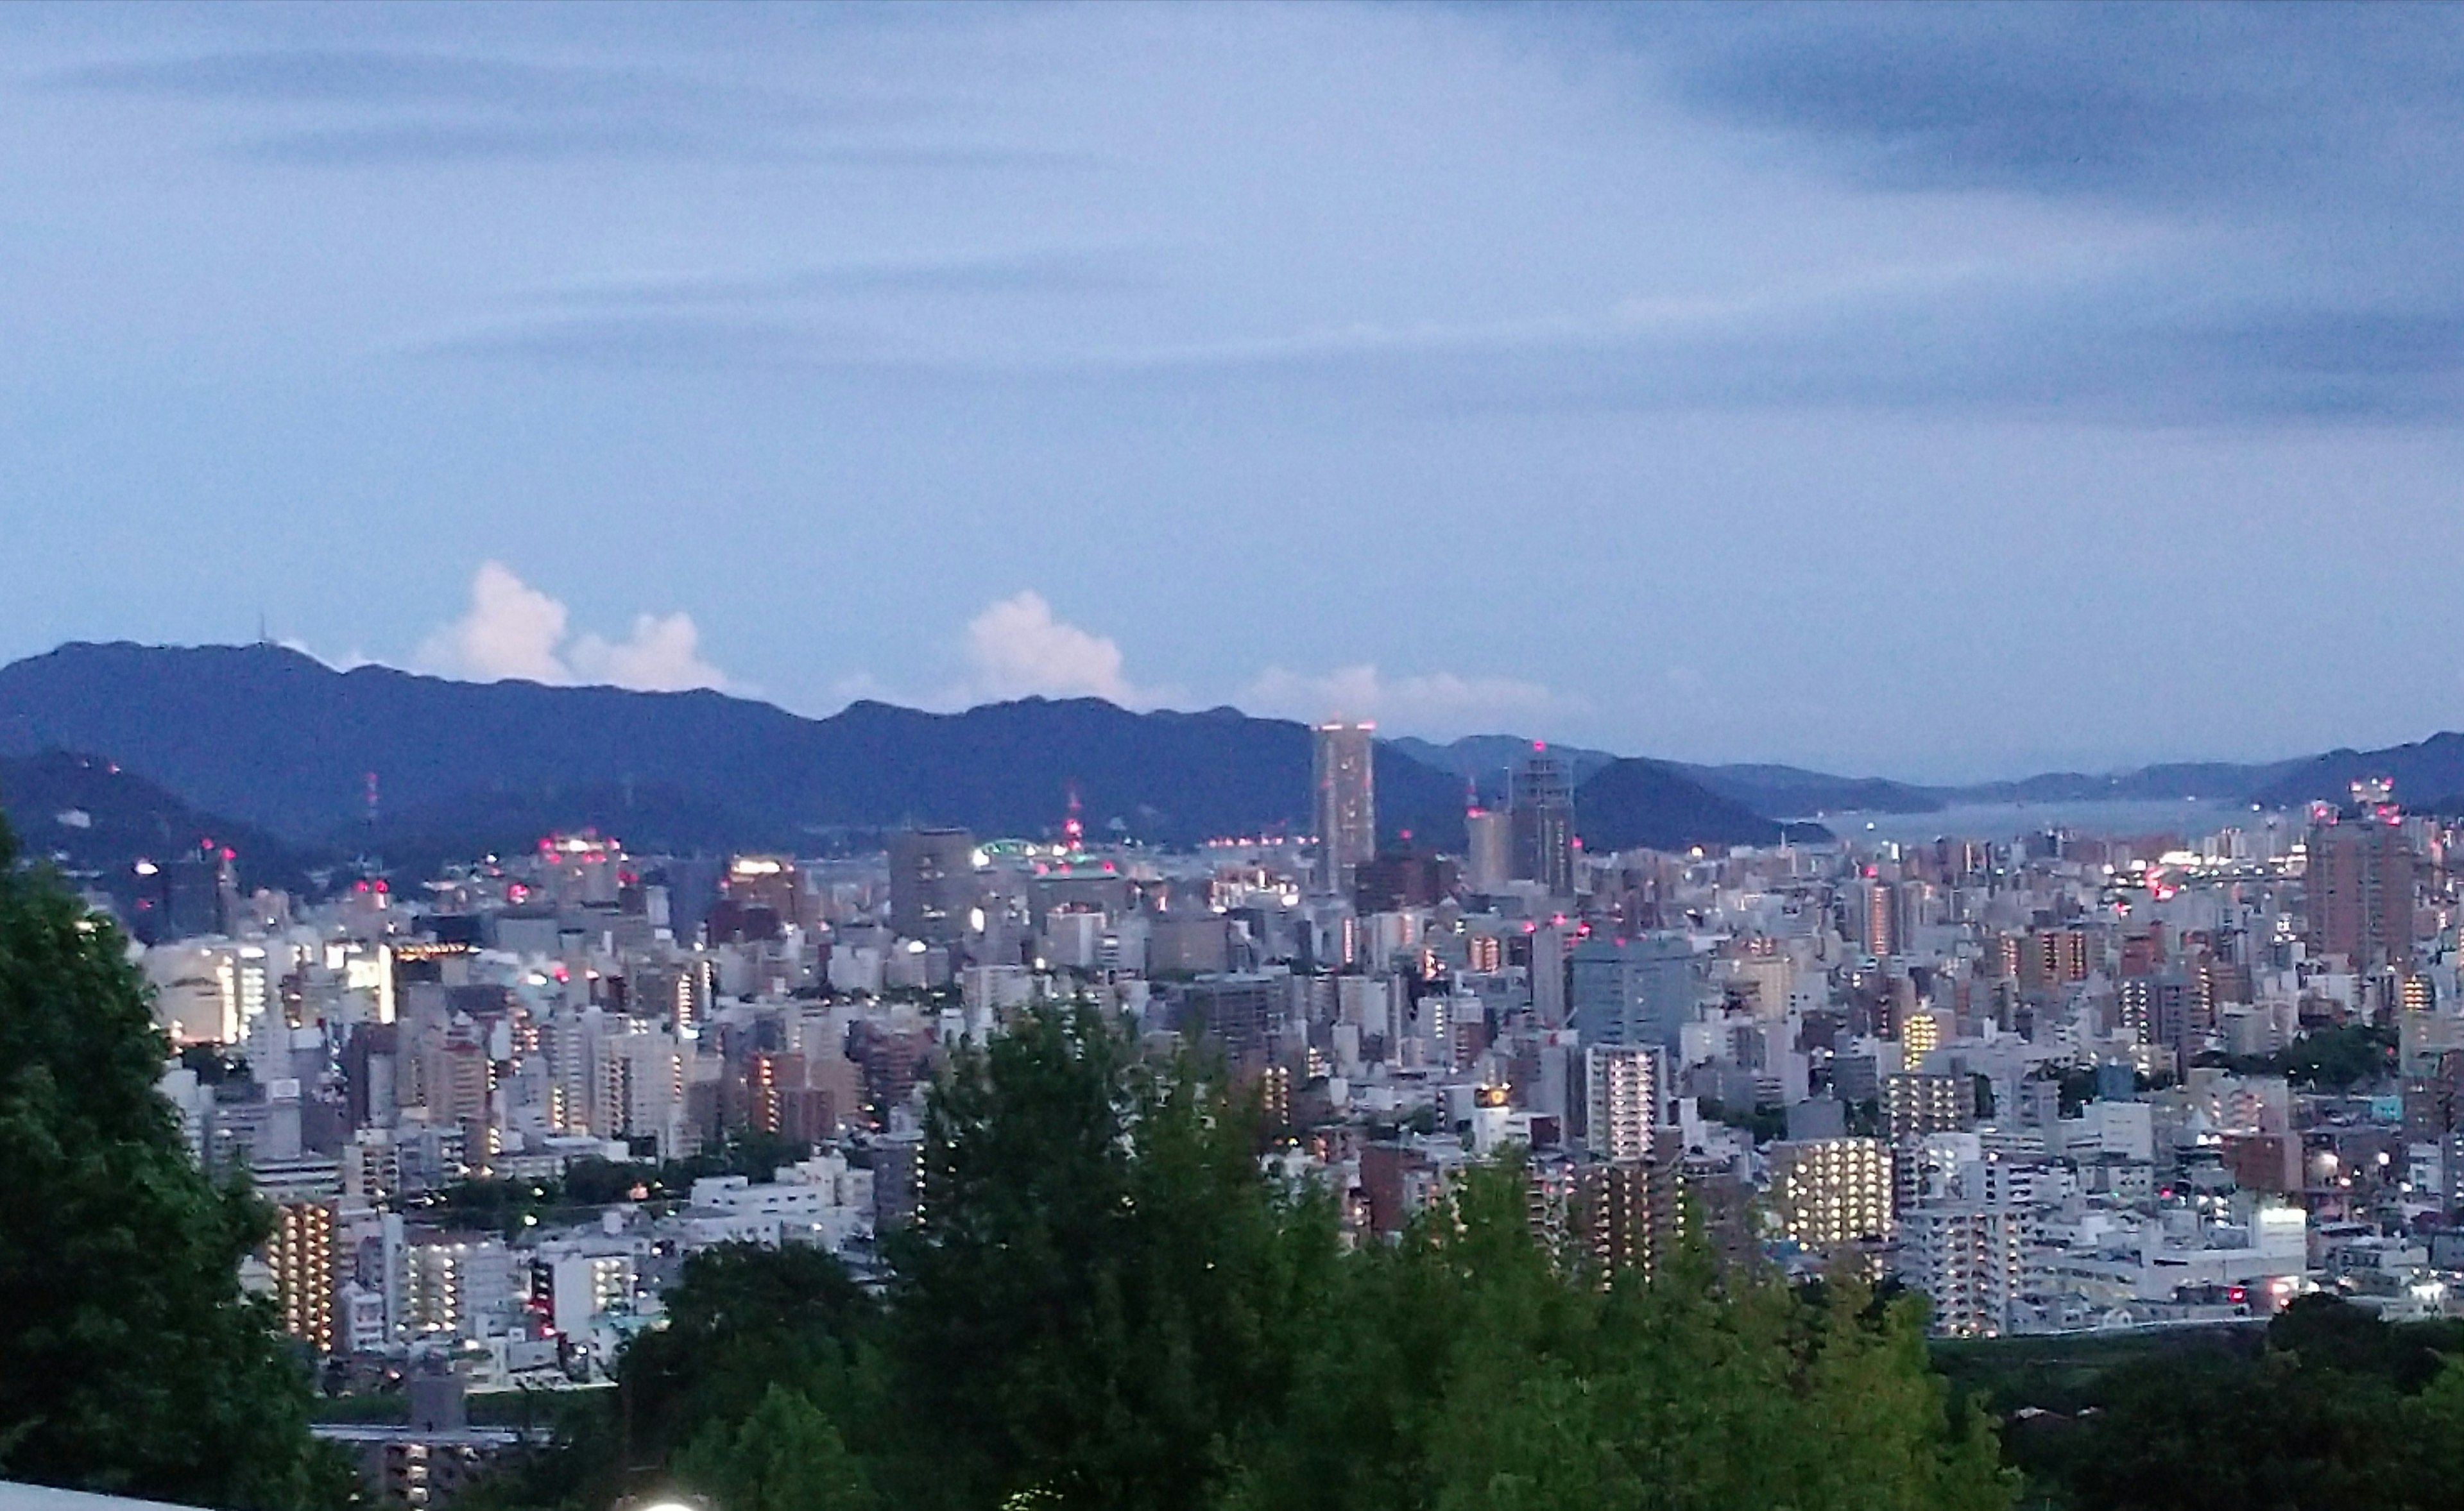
(266, 736)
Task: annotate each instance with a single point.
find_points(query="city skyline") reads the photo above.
(1931, 392)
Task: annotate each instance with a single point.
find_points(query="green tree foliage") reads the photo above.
(1108, 1305)
(787, 1456)
(1469, 1374)
(1104, 1296)
(2334, 1408)
(746, 1320)
(130, 1361)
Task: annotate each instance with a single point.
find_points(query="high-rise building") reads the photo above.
(1603, 1218)
(2356, 886)
(2165, 1009)
(1881, 919)
(2051, 958)
(1971, 1260)
(1548, 948)
(1623, 1088)
(932, 891)
(300, 1254)
(1488, 850)
(1344, 787)
(1915, 1104)
(1542, 812)
(1830, 1192)
(1638, 991)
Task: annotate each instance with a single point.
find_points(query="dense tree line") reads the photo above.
(130, 1361)
(1109, 1304)
(2326, 1407)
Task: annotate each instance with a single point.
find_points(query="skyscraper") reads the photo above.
(1543, 818)
(1344, 784)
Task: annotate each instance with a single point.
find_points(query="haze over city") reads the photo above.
(1938, 392)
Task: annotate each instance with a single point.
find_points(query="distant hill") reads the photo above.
(276, 739)
(264, 736)
(1785, 791)
(1791, 791)
(95, 821)
(2216, 780)
(234, 739)
(1634, 803)
(1488, 758)
(2426, 772)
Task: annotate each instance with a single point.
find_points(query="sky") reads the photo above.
(1932, 391)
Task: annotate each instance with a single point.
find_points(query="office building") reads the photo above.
(1344, 790)
(933, 889)
(765, 882)
(1632, 991)
(1542, 815)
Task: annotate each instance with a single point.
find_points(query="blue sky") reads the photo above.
(1927, 390)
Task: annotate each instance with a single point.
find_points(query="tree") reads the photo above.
(787, 1456)
(130, 1361)
(1103, 1293)
(743, 1322)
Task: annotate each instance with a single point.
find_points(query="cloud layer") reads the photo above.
(512, 631)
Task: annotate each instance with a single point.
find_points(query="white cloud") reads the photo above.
(1436, 703)
(1017, 648)
(513, 630)
(662, 656)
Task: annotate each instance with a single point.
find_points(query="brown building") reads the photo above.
(2358, 889)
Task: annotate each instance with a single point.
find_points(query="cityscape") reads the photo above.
(1203, 758)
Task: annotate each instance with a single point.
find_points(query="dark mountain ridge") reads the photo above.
(95, 821)
(275, 738)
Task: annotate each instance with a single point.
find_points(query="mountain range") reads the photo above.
(378, 761)
(281, 755)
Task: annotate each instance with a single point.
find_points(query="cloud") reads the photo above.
(1018, 648)
(514, 632)
(662, 656)
(1435, 703)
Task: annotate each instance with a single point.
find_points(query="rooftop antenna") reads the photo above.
(262, 638)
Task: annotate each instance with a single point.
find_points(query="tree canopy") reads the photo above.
(130, 1360)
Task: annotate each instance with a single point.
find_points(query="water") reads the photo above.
(2188, 817)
